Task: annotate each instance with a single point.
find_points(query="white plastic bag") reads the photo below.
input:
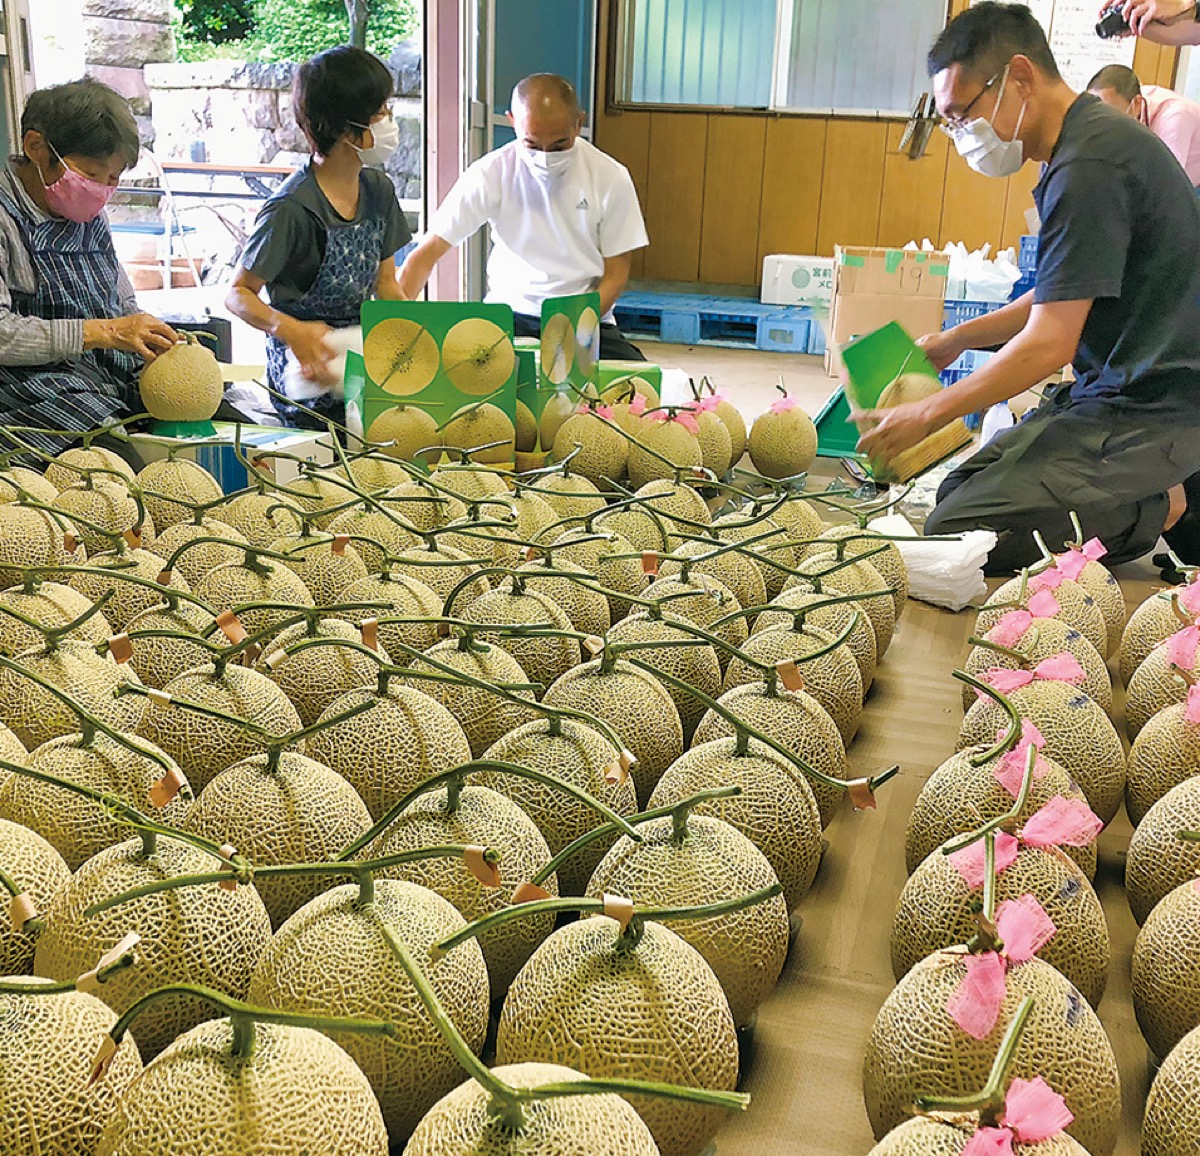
(946, 574)
(339, 342)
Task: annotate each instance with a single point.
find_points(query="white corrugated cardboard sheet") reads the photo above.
(946, 574)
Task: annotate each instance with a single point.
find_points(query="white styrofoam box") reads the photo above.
(789, 279)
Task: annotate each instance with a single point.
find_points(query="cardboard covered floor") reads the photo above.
(803, 1067)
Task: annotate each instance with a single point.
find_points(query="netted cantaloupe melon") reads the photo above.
(1166, 969)
(405, 595)
(52, 605)
(1165, 753)
(157, 659)
(959, 796)
(533, 513)
(1159, 860)
(255, 579)
(832, 677)
(332, 958)
(937, 910)
(286, 810)
(183, 384)
(107, 504)
(570, 495)
(732, 418)
(716, 445)
(1046, 638)
(675, 652)
(710, 862)
(635, 704)
(296, 1092)
(775, 810)
(664, 446)
(828, 614)
(373, 471)
(1172, 1120)
(377, 535)
(14, 479)
(313, 678)
(171, 488)
(607, 556)
(586, 607)
(889, 562)
(733, 569)
(1156, 685)
(767, 542)
(204, 746)
(46, 1050)
(483, 715)
(1076, 607)
(796, 721)
(470, 483)
(75, 826)
(35, 715)
(916, 1048)
(405, 738)
(193, 564)
(488, 532)
(543, 659)
(200, 935)
(28, 538)
(603, 451)
(481, 425)
(260, 517)
(325, 564)
(478, 817)
(576, 753)
(1079, 736)
(925, 1136)
(404, 430)
(653, 1013)
(674, 501)
(420, 506)
(1154, 621)
(67, 467)
(105, 573)
(829, 573)
(1105, 591)
(320, 492)
(436, 567)
(36, 871)
(464, 1123)
(783, 441)
(704, 602)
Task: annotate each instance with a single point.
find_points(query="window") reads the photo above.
(847, 56)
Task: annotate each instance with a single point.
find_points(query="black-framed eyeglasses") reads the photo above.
(953, 125)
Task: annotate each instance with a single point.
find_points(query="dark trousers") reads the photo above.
(1109, 460)
(614, 345)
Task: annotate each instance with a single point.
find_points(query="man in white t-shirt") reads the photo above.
(564, 216)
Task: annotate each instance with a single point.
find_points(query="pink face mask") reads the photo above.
(76, 197)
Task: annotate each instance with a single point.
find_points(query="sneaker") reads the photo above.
(1184, 536)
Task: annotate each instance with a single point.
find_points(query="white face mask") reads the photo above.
(980, 145)
(386, 135)
(546, 165)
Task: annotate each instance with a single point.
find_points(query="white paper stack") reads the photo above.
(946, 574)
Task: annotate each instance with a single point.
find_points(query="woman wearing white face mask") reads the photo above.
(1117, 294)
(72, 341)
(326, 241)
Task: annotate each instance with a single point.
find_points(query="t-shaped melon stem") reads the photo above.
(253, 555)
(1011, 735)
(678, 813)
(1020, 657)
(455, 779)
(34, 924)
(790, 486)
(243, 1017)
(507, 1104)
(1006, 822)
(989, 1100)
(53, 635)
(102, 974)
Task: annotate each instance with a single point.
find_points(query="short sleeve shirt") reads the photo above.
(287, 245)
(550, 235)
(1121, 226)
(1175, 120)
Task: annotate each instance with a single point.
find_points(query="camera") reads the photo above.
(1112, 22)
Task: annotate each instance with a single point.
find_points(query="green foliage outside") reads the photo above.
(275, 30)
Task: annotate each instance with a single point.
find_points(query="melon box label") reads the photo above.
(440, 357)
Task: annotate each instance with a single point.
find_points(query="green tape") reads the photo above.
(921, 258)
(852, 261)
(939, 270)
(893, 260)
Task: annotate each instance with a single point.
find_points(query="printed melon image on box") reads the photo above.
(435, 374)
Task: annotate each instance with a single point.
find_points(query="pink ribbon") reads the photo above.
(637, 406)
(1024, 928)
(1062, 823)
(1044, 605)
(1189, 597)
(1009, 771)
(1191, 710)
(1050, 579)
(1033, 1112)
(1182, 647)
(971, 862)
(784, 404)
(1074, 561)
(598, 410)
(705, 404)
(686, 420)
(1011, 628)
(1062, 667)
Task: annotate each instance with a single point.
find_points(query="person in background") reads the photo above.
(564, 216)
(1162, 21)
(326, 241)
(1117, 294)
(1172, 118)
(72, 339)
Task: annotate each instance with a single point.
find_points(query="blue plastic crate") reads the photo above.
(816, 339)
(959, 311)
(1027, 255)
(1027, 282)
(784, 332)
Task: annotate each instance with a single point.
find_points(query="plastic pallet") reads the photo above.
(694, 319)
(1027, 255)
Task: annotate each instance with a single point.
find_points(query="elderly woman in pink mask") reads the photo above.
(72, 340)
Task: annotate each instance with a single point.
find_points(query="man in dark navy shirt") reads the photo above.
(1117, 295)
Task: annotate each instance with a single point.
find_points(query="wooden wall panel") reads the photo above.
(852, 184)
(1020, 198)
(912, 190)
(675, 195)
(793, 168)
(733, 179)
(972, 206)
(626, 137)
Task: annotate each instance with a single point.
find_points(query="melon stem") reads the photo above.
(253, 554)
(607, 830)
(781, 485)
(122, 963)
(53, 635)
(1180, 612)
(774, 607)
(89, 723)
(259, 732)
(718, 549)
(33, 926)
(114, 537)
(1023, 660)
(864, 512)
(1011, 736)
(1188, 678)
(1188, 836)
(989, 1102)
(171, 595)
(359, 871)
(456, 778)
(244, 1016)
(1001, 822)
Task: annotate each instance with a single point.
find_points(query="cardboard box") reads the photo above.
(217, 454)
(875, 286)
(789, 279)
